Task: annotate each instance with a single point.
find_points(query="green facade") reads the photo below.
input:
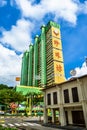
(21, 80)
(35, 70)
(43, 56)
(24, 70)
(50, 24)
(30, 68)
(35, 63)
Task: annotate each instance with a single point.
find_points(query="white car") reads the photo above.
(1, 112)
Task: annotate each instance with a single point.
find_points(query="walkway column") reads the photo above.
(70, 117)
(83, 99)
(62, 116)
(53, 115)
(45, 110)
(84, 105)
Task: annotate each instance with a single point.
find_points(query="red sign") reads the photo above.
(56, 43)
(13, 105)
(57, 54)
(59, 68)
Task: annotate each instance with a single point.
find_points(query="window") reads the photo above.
(49, 99)
(54, 97)
(66, 96)
(75, 94)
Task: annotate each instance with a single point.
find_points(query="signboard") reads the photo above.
(57, 55)
(58, 72)
(13, 105)
(17, 78)
(56, 43)
(54, 50)
(56, 32)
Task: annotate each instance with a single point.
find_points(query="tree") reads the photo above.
(8, 96)
(33, 98)
(3, 86)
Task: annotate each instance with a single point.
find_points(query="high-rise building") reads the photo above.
(43, 65)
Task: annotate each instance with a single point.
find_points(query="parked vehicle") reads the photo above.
(2, 112)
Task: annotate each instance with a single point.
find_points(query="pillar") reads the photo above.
(70, 117)
(53, 115)
(62, 116)
(45, 110)
(82, 99)
(84, 105)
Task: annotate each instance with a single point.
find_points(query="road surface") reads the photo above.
(22, 124)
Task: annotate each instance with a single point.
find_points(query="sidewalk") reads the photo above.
(50, 126)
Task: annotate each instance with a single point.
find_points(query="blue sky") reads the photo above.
(20, 21)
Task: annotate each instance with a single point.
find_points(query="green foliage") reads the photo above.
(3, 86)
(34, 97)
(3, 128)
(9, 95)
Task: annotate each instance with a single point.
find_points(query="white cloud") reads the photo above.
(3, 3)
(81, 70)
(84, 7)
(10, 66)
(65, 9)
(19, 36)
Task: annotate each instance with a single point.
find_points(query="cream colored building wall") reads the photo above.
(69, 86)
(51, 90)
(84, 87)
(81, 85)
(60, 93)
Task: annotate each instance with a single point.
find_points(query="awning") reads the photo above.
(28, 89)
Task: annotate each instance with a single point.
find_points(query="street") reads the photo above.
(22, 124)
(31, 123)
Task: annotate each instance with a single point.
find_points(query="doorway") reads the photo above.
(78, 118)
(66, 114)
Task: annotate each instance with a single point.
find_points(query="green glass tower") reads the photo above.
(43, 56)
(24, 70)
(35, 63)
(43, 65)
(30, 66)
